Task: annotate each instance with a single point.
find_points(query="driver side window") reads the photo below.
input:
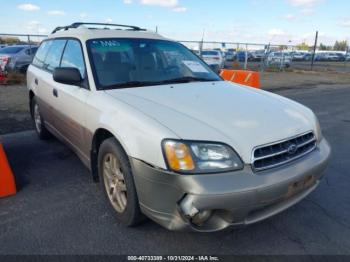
(73, 57)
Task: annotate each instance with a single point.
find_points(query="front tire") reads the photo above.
(117, 182)
(39, 124)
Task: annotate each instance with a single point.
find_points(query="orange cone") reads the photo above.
(7, 181)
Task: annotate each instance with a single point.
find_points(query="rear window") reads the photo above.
(11, 50)
(210, 53)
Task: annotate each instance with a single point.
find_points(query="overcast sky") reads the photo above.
(254, 21)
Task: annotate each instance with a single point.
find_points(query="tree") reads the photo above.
(340, 45)
(303, 46)
(283, 47)
(9, 40)
(324, 47)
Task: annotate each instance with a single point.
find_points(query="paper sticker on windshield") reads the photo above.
(110, 45)
(195, 67)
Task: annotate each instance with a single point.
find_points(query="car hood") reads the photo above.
(240, 116)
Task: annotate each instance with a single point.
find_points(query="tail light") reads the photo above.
(5, 60)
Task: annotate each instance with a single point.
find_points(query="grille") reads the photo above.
(282, 152)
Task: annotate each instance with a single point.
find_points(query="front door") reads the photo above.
(70, 102)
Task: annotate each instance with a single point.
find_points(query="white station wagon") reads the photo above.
(166, 137)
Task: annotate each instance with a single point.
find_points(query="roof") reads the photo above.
(84, 32)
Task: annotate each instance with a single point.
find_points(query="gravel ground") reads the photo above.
(14, 109)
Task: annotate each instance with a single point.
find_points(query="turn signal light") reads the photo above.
(178, 156)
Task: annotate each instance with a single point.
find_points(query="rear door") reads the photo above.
(48, 57)
(36, 81)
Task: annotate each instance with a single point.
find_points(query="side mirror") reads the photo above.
(67, 75)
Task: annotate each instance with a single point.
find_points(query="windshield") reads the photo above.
(119, 63)
(210, 53)
(11, 50)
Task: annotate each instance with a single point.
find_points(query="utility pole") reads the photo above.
(201, 44)
(346, 54)
(314, 52)
(246, 57)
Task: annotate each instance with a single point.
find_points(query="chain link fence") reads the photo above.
(21, 39)
(261, 57)
(257, 57)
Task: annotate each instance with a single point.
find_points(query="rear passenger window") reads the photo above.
(41, 53)
(54, 55)
(73, 57)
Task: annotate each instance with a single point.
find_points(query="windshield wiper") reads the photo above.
(130, 84)
(186, 79)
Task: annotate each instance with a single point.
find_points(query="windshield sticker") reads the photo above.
(109, 45)
(195, 67)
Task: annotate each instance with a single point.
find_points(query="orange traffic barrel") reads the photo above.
(243, 77)
(7, 181)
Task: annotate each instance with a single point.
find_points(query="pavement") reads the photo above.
(59, 210)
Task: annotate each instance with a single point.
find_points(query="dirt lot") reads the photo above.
(302, 79)
(14, 112)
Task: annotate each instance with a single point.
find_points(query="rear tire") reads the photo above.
(39, 124)
(117, 183)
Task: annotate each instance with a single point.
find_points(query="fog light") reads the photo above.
(201, 217)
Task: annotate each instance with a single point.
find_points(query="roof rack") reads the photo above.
(78, 24)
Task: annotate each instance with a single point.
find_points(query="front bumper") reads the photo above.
(233, 198)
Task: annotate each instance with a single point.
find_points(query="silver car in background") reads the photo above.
(279, 59)
(214, 59)
(17, 57)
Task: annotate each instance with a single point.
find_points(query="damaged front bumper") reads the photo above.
(214, 202)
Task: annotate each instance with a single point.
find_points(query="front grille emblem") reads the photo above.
(283, 151)
(292, 149)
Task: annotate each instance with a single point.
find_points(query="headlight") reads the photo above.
(318, 130)
(200, 157)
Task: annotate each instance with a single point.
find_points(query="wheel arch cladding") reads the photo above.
(99, 136)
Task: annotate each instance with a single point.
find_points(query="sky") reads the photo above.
(252, 21)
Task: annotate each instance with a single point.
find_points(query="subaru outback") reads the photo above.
(165, 136)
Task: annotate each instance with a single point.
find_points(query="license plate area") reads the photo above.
(301, 185)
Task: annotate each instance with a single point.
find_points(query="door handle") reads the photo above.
(54, 92)
(36, 81)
